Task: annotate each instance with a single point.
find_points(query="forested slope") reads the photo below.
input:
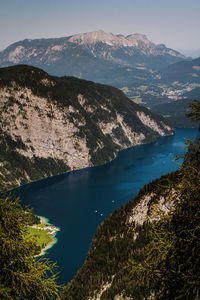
(149, 248)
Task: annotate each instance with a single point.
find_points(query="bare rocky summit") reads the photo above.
(98, 56)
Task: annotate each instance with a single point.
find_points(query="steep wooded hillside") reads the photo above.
(175, 112)
(149, 248)
(52, 125)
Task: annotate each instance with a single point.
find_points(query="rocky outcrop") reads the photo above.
(51, 125)
(120, 237)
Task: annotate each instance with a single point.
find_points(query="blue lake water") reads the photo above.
(78, 201)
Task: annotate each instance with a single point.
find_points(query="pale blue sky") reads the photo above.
(175, 23)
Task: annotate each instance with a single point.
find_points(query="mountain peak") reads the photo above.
(137, 37)
(94, 37)
(109, 39)
(87, 55)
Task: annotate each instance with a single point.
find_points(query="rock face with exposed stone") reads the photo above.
(52, 125)
(120, 237)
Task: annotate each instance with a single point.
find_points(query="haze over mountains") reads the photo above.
(95, 47)
(102, 57)
(148, 73)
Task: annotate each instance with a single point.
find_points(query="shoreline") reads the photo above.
(45, 221)
(100, 164)
(47, 247)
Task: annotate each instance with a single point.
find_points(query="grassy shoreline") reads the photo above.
(47, 247)
(44, 234)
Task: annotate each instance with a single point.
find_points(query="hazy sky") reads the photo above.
(175, 23)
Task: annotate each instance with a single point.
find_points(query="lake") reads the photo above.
(77, 202)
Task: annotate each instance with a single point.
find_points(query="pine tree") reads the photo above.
(22, 276)
(170, 266)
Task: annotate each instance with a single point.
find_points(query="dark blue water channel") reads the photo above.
(78, 201)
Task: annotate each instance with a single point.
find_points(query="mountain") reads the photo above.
(182, 72)
(149, 248)
(193, 94)
(175, 112)
(178, 84)
(132, 63)
(99, 56)
(52, 125)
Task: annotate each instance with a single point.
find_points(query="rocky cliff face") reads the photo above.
(51, 125)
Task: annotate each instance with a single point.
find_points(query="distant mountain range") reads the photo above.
(175, 112)
(97, 56)
(184, 71)
(148, 74)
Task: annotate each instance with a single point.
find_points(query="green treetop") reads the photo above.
(22, 276)
(170, 268)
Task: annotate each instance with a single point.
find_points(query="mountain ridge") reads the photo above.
(80, 124)
(81, 55)
(184, 71)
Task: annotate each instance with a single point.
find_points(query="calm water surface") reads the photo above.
(78, 201)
